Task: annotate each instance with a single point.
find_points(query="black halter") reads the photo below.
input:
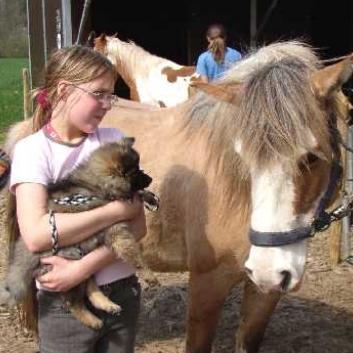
(322, 219)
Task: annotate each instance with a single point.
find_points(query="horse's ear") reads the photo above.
(100, 42)
(102, 37)
(331, 78)
(91, 38)
(220, 92)
(115, 35)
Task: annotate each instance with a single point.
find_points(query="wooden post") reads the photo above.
(338, 230)
(25, 79)
(335, 241)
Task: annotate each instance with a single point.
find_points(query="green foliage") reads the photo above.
(11, 91)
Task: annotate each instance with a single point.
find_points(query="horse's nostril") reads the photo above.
(286, 279)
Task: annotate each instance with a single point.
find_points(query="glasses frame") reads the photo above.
(99, 96)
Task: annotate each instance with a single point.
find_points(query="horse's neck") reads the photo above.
(133, 62)
(126, 75)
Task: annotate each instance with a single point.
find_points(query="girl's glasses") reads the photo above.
(100, 96)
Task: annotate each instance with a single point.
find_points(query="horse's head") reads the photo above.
(100, 43)
(117, 51)
(286, 135)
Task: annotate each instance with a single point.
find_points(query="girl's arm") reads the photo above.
(66, 274)
(34, 225)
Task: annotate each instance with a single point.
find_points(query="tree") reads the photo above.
(13, 28)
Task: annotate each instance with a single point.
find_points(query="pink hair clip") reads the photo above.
(42, 99)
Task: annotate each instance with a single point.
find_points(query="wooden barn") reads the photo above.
(177, 32)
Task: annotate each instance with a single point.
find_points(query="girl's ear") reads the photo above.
(63, 89)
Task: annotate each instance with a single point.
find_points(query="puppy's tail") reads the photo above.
(26, 309)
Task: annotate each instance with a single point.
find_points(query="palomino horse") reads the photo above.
(252, 154)
(151, 79)
(252, 157)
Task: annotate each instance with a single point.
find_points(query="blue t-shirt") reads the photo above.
(207, 66)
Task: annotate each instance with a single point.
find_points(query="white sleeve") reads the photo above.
(29, 165)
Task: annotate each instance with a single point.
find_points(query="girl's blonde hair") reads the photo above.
(76, 64)
(217, 36)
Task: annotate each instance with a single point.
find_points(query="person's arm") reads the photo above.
(66, 274)
(203, 78)
(34, 225)
(201, 68)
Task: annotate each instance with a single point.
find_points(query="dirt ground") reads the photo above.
(317, 319)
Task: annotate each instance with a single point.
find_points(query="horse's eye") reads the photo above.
(308, 160)
(311, 158)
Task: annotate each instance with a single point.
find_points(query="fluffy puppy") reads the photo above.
(111, 172)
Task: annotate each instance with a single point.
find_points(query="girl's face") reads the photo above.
(88, 103)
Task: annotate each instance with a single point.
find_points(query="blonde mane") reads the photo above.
(133, 61)
(274, 113)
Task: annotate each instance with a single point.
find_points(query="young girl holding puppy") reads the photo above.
(76, 95)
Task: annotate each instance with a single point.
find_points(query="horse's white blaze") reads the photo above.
(273, 194)
(272, 200)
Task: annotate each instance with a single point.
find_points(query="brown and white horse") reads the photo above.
(151, 79)
(250, 157)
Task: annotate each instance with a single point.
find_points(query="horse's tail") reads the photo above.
(27, 309)
(16, 132)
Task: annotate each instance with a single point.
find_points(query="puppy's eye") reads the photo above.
(131, 171)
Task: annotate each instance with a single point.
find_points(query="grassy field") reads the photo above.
(11, 91)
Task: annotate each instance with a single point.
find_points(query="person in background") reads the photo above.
(218, 58)
(76, 94)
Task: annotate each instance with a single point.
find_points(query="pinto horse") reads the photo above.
(242, 169)
(151, 79)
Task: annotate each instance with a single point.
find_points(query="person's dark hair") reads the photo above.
(217, 36)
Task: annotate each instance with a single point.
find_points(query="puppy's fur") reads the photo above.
(111, 173)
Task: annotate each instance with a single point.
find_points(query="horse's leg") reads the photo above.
(207, 294)
(256, 310)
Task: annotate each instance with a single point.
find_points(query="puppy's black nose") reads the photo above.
(142, 180)
(147, 180)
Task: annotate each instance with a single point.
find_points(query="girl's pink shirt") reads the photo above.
(41, 159)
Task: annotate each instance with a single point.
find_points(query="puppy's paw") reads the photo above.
(114, 309)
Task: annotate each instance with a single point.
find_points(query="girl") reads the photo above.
(218, 58)
(70, 106)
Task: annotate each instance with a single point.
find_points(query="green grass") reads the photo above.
(11, 91)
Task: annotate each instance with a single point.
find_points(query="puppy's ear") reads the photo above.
(128, 141)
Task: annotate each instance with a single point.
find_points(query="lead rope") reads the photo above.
(54, 233)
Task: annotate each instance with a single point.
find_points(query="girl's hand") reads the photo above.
(138, 224)
(64, 275)
(125, 210)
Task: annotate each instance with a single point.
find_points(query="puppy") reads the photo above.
(111, 172)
